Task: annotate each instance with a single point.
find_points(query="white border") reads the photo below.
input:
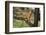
(11, 29)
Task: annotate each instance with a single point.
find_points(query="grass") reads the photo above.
(19, 23)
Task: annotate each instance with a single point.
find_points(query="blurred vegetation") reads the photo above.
(19, 23)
